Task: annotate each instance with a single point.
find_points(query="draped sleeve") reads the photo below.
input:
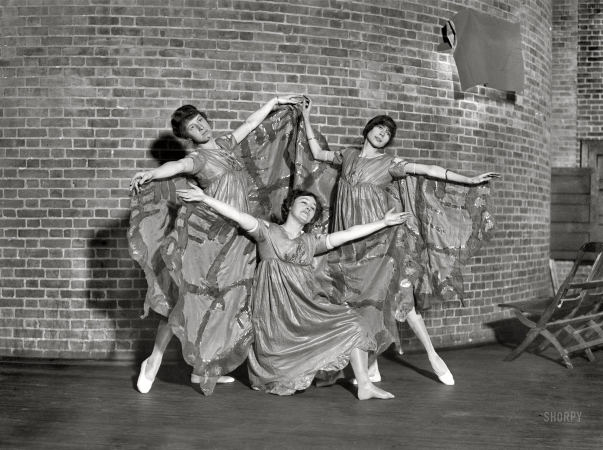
(397, 168)
(227, 142)
(199, 162)
(338, 158)
(260, 231)
(320, 243)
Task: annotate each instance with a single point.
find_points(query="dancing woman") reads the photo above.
(298, 335)
(376, 285)
(198, 268)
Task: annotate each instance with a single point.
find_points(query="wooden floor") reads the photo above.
(533, 402)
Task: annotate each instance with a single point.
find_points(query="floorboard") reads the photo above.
(533, 402)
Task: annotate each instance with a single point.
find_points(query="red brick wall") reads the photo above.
(87, 92)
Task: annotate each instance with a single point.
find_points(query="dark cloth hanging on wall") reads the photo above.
(487, 50)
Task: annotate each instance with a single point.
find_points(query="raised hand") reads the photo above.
(306, 108)
(290, 99)
(395, 218)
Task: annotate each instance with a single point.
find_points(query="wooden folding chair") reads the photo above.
(572, 319)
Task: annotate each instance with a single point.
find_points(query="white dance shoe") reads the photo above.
(196, 379)
(372, 379)
(447, 378)
(144, 384)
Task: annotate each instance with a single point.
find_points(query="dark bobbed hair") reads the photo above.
(387, 121)
(290, 199)
(181, 116)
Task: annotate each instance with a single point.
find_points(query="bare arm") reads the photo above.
(318, 153)
(169, 169)
(258, 117)
(447, 174)
(359, 231)
(196, 194)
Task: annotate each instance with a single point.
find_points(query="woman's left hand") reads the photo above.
(484, 177)
(289, 99)
(195, 194)
(395, 218)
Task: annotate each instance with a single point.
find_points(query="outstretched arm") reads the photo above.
(318, 153)
(359, 231)
(196, 194)
(169, 169)
(447, 174)
(258, 117)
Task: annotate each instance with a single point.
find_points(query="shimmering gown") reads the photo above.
(415, 264)
(297, 333)
(212, 264)
(199, 267)
(368, 270)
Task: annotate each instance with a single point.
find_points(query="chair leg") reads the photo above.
(563, 352)
(533, 333)
(542, 347)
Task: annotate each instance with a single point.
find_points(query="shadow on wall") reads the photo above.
(117, 285)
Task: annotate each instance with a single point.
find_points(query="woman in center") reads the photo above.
(298, 335)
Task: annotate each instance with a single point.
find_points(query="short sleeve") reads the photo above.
(320, 243)
(227, 142)
(397, 169)
(338, 156)
(199, 162)
(260, 231)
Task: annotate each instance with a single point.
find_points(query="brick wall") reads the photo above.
(590, 70)
(87, 91)
(577, 78)
(564, 85)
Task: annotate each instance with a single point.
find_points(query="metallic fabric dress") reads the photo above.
(368, 271)
(199, 266)
(297, 333)
(416, 264)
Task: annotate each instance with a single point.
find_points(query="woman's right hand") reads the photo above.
(139, 179)
(306, 108)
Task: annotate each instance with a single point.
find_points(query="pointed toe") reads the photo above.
(144, 385)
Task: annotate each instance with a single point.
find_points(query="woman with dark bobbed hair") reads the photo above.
(375, 281)
(198, 267)
(297, 335)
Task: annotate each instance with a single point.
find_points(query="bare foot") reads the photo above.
(326, 383)
(373, 372)
(369, 390)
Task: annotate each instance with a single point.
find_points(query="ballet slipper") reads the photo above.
(373, 378)
(447, 378)
(144, 384)
(196, 379)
